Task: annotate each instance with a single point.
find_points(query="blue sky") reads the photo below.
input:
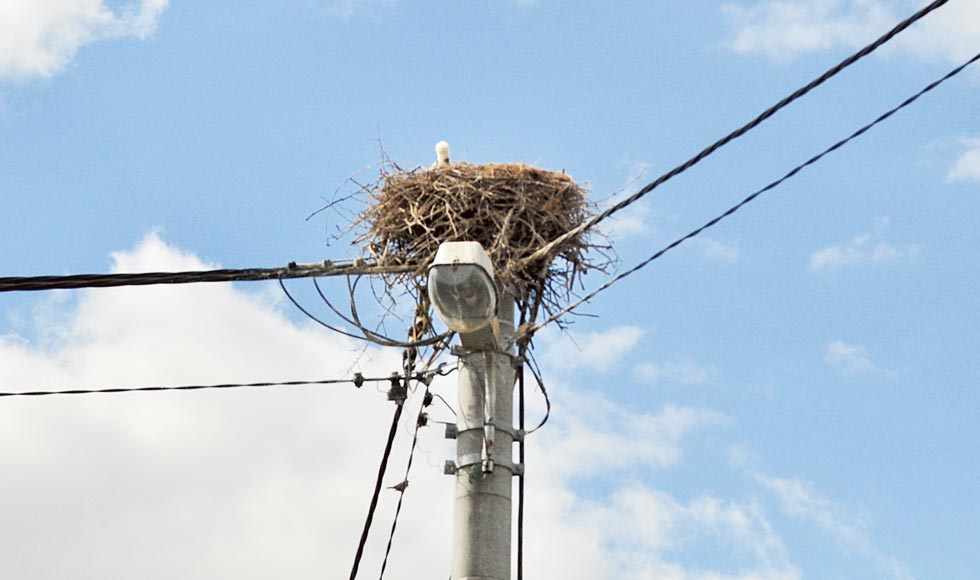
(791, 395)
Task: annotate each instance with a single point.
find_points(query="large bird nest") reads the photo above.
(513, 210)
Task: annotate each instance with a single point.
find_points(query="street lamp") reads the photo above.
(461, 287)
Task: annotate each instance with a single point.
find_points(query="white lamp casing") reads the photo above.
(461, 286)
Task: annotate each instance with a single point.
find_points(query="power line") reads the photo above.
(392, 431)
(521, 458)
(420, 421)
(368, 335)
(357, 380)
(833, 71)
(292, 270)
(756, 194)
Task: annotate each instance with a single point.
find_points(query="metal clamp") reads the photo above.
(515, 435)
(477, 459)
(451, 431)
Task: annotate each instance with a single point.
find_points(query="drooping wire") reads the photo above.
(383, 342)
(446, 403)
(292, 270)
(536, 371)
(833, 71)
(534, 327)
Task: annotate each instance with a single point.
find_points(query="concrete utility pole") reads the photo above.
(484, 452)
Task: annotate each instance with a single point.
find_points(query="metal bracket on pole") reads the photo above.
(451, 431)
(489, 406)
(471, 459)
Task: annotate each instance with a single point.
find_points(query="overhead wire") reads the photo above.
(530, 329)
(421, 318)
(401, 487)
(521, 455)
(827, 75)
(399, 393)
(392, 431)
(292, 270)
(379, 341)
(536, 372)
(357, 380)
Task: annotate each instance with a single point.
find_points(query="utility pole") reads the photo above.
(484, 464)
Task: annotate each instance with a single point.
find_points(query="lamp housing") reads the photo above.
(461, 286)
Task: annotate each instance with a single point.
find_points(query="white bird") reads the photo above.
(442, 155)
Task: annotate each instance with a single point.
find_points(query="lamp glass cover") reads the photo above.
(464, 296)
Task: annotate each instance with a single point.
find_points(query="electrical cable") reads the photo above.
(420, 421)
(369, 334)
(534, 327)
(521, 458)
(292, 270)
(395, 343)
(404, 484)
(833, 71)
(377, 490)
(536, 371)
(446, 403)
(357, 380)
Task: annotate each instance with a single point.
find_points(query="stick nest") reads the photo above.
(512, 210)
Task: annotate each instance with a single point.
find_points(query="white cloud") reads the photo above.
(635, 530)
(605, 435)
(599, 351)
(850, 531)
(967, 165)
(39, 38)
(715, 250)
(866, 248)
(849, 359)
(266, 483)
(684, 371)
(348, 8)
(633, 219)
(782, 29)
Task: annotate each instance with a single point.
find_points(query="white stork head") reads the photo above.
(442, 154)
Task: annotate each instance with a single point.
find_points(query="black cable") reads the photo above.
(314, 318)
(378, 341)
(404, 485)
(293, 270)
(377, 490)
(531, 329)
(740, 131)
(521, 458)
(420, 421)
(536, 371)
(369, 334)
(357, 380)
(446, 403)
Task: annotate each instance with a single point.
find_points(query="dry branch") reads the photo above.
(513, 210)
